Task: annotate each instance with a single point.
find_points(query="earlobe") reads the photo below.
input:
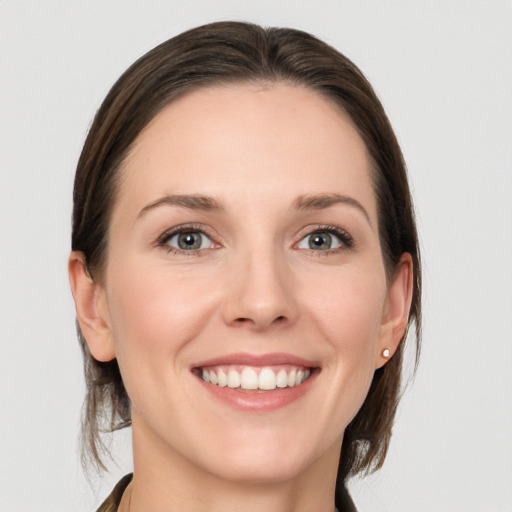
(396, 311)
(91, 309)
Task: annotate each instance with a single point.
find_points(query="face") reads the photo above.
(244, 293)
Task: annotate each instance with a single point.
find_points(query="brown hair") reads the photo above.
(234, 52)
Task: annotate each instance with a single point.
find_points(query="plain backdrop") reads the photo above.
(443, 69)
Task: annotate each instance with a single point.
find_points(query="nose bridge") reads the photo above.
(260, 291)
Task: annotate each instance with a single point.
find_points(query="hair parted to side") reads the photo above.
(235, 52)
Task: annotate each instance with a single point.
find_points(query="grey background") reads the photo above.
(443, 69)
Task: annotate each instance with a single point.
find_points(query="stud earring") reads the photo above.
(385, 353)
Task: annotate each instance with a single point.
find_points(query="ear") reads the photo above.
(91, 309)
(396, 310)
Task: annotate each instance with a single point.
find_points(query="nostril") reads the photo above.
(247, 320)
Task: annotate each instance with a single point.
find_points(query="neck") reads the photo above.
(165, 481)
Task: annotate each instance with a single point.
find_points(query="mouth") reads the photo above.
(257, 382)
(255, 378)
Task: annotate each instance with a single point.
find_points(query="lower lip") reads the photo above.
(257, 400)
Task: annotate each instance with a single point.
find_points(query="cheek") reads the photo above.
(344, 316)
(349, 315)
(350, 308)
(155, 313)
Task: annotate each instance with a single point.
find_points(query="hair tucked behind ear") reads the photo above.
(231, 52)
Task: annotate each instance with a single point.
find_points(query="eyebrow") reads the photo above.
(323, 201)
(192, 202)
(208, 204)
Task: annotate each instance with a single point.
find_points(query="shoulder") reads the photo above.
(111, 504)
(343, 500)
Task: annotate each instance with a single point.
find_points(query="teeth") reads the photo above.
(291, 378)
(267, 379)
(213, 377)
(250, 379)
(222, 378)
(281, 378)
(233, 379)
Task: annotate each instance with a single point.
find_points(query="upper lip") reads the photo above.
(243, 358)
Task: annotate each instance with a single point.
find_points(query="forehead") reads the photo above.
(263, 138)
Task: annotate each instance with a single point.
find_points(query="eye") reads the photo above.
(325, 240)
(189, 240)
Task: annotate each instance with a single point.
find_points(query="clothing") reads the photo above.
(111, 504)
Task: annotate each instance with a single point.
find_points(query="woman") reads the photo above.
(245, 268)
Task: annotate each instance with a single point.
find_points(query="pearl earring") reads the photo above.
(385, 353)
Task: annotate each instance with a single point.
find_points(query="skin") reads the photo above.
(256, 287)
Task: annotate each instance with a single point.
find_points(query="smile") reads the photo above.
(257, 382)
(250, 378)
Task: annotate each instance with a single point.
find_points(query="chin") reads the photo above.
(258, 471)
(263, 457)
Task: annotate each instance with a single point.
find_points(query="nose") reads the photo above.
(260, 292)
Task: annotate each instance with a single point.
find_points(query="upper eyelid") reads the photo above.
(346, 239)
(217, 239)
(162, 242)
(330, 228)
(182, 228)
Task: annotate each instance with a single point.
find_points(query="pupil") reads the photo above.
(189, 241)
(320, 241)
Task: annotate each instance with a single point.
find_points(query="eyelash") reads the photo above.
(345, 239)
(163, 240)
